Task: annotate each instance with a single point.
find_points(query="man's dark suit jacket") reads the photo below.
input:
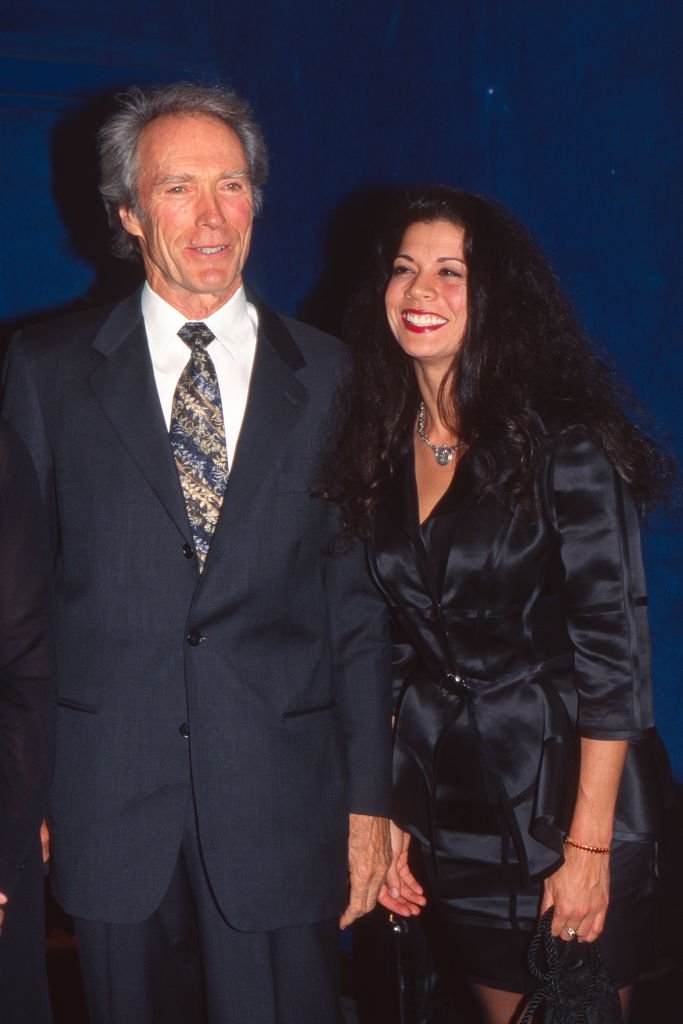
(276, 655)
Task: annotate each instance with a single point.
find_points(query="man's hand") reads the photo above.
(3, 900)
(369, 859)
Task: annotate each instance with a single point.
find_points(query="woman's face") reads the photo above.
(426, 298)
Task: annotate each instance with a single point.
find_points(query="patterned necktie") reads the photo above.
(198, 438)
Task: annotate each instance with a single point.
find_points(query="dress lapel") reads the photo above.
(400, 500)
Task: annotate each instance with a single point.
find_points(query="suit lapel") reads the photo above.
(275, 403)
(125, 388)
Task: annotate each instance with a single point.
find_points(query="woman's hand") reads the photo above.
(401, 893)
(579, 891)
(45, 841)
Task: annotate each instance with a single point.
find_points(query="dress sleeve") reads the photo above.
(27, 678)
(403, 660)
(604, 589)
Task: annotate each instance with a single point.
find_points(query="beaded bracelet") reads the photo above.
(589, 849)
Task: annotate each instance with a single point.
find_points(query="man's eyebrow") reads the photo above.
(178, 179)
(172, 179)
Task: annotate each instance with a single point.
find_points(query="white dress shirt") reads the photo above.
(235, 326)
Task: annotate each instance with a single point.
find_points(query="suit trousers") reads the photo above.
(186, 965)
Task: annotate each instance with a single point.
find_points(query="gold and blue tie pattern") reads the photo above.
(198, 438)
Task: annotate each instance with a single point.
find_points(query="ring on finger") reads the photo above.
(571, 932)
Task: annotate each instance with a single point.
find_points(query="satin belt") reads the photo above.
(520, 727)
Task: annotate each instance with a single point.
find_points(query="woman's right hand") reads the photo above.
(401, 893)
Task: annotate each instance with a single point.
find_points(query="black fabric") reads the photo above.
(397, 977)
(522, 629)
(481, 919)
(24, 994)
(423, 995)
(518, 630)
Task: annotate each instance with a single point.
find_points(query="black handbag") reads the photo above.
(575, 987)
(423, 997)
(395, 979)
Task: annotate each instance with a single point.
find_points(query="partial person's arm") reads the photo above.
(579, 889)
(369, 859)
(27, 680)
(606, 607)
(360, 635)
(401, 893)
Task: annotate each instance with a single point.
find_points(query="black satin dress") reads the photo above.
(518, 631)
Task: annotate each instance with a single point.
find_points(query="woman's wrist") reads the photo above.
(588, 847)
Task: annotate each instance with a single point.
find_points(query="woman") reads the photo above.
(488, 461)
(27, 707)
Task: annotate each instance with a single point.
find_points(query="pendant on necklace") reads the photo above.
(443, 455)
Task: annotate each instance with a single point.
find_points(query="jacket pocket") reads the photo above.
(76, 705)
(300, 712)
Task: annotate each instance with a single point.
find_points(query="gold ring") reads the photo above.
(571, 932)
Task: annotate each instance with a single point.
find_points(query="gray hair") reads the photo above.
(119, 139)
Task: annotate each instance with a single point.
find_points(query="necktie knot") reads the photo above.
(196, 334)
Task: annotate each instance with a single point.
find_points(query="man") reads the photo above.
(223, 734)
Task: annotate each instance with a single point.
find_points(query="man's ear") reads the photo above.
(130, 221)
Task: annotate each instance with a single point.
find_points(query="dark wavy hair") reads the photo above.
(525, 370)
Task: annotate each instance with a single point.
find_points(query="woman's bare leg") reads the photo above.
(497, 1006)
(625, 995)
(500, 1007)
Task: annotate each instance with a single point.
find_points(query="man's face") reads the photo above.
(196, 211)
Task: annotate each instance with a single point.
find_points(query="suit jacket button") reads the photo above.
(187, 551)
(184, 730)
(194, 638)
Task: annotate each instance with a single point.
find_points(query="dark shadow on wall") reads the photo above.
(74, 161)
(75, 180)
(350, 241)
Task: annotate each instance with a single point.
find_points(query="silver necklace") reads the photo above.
(443, 453)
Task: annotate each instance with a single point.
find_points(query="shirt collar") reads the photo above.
(235, 320)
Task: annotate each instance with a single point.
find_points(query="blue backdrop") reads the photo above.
(566, 112)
